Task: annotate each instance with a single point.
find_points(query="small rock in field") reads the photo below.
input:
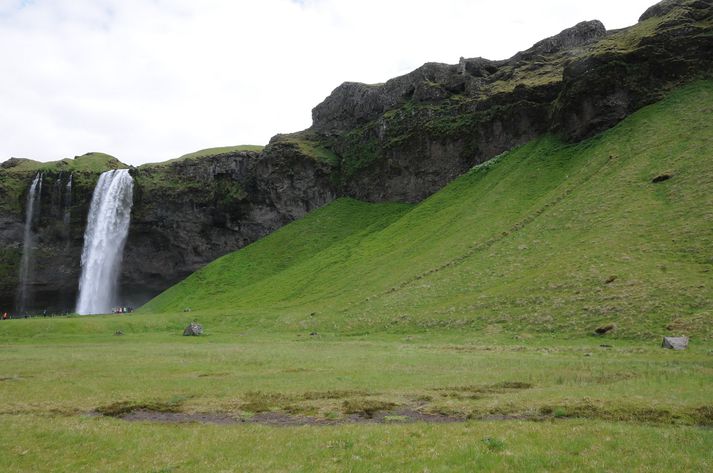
(587, 354)
(313, 334)
(604, 329)
(193, 329)
(118, 333)
(661, 178)
(675, 343)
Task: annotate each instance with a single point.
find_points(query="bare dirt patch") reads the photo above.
(397, 416)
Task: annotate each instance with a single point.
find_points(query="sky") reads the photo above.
(150, 80)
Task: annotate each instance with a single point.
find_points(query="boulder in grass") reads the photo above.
(675, 343)
(193, 330)
(604, 329)
(661, 178)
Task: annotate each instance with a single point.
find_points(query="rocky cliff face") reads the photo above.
(401, 140)
(191, 212)
(406, 138)
(185, 214)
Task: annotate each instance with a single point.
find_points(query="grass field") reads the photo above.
(453, 335)
(525, 406)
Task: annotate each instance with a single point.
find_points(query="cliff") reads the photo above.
(406, 138)
(186, 213)
(398, 141)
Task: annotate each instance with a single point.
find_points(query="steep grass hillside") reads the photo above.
(549, 237)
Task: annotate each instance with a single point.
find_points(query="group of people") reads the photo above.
(27, 315)
(115, 310)
(122, 310)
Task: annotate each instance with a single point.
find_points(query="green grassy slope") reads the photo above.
(347, 222)
(526, 243)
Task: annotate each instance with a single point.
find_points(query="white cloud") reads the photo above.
(150, 80)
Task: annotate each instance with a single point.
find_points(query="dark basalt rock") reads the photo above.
(202, 209)
(661, 178)
(667, 6)
(406, 138)
(604, 329)
(580, 35)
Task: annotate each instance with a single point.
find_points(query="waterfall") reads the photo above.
(104, 240)
(56, 197)
(32, 209)
(67, 203)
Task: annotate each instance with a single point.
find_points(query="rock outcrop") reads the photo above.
(406, 138)
(398, 141)
(193, 330)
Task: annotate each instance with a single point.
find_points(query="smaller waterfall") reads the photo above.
(32, 210)
(56, 197)
(104, 240)
(67, 203)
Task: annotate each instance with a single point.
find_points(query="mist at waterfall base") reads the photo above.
(104, 240)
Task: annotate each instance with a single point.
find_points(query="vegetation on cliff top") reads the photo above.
(89, 162)
(309, 145)
(207, 153)
(16, 175)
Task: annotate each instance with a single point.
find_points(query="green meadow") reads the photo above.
(452, 335)
(541, 404)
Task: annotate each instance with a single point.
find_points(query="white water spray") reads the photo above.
(31, 212)
(104, 240)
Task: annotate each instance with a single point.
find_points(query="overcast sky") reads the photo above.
(150, 80)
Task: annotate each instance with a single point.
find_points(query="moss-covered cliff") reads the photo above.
(406, 138)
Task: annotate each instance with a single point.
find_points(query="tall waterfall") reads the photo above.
(31, 214)
(104, 240)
